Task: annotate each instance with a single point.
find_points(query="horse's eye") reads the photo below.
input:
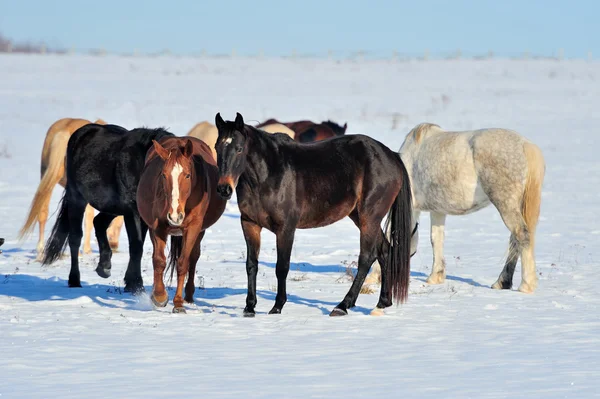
(187, 176)
(164, 176)
(239, 149)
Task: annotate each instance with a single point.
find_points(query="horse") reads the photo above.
(177, 196)
(307, 131)
(206, 132)
(282, 185)
(278, 128)
(52, 173)
(104, 164)
(456, 173)
(1, 243)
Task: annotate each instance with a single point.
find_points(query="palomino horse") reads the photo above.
(104, 164)
(455, 173)
(278, 128)
(307, 131)
(208, 133)
(53, 172)
(282, 186)
(177, 196)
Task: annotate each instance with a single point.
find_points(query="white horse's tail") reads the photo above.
(532, 196)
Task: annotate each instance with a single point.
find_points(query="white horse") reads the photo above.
(456, 173)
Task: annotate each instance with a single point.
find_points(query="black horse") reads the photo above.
(103, 166)
(283, 185)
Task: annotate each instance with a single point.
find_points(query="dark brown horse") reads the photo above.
(177, 196)
(308, 131)
(282, 186)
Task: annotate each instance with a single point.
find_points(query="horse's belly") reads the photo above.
(459, 199)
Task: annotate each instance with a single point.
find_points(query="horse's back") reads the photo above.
(455, 172)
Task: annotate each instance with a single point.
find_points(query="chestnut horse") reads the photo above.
(308, 131)
(53, 173)
(282, 185)
(177, 196)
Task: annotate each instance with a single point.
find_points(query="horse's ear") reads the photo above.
(188, 149)
(160, 150)
(219, 121)
(239, 122)
(345, 126)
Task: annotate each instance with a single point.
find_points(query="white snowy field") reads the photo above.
(460, 339)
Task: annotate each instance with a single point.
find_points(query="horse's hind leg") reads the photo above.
(369, 238)
(76, 211)
(438, 271)
(505, 279)
(101, 223)
(520, 244)
(88, 224)
(42, 218)
(190, 287)
(114, 231)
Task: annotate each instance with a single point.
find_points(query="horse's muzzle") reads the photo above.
(175, 222)
(225, 191)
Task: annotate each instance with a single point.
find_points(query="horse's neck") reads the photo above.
(261, 155)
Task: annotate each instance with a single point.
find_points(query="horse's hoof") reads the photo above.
(157, 303)
(527, 288)
(377, 312)
(75, 284)
(436, 279)
(249, 313)
(179, 310)
(502, 285)
(338, 312)
(275, 310)
(135, 289)
(103, 272)
(189, 300)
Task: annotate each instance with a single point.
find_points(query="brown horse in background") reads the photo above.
(53, 173)
(307, 131)
(177, 196)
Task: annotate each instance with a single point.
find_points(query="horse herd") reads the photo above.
(286, 176)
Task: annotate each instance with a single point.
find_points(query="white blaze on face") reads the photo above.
(177, 169)
(227, 140)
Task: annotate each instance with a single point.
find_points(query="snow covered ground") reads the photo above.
(460, 339)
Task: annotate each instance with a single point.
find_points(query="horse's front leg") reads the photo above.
(438, 271)
(136, 233)
(190, 287)
(159, 296)
(190, 240)
(101, 223)
(285, 240)
(252, 235)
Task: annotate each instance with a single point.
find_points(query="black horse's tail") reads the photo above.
(174, 254)
(399, 219)
(60, 232)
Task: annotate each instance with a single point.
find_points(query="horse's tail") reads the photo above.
(174, 254)
(54, 172)
(399, 223)
(532, 195)
(60, 232)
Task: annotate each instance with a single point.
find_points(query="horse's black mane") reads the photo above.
(337, 129)
(147, 134)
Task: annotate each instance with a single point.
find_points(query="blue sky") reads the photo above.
(507, 27)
